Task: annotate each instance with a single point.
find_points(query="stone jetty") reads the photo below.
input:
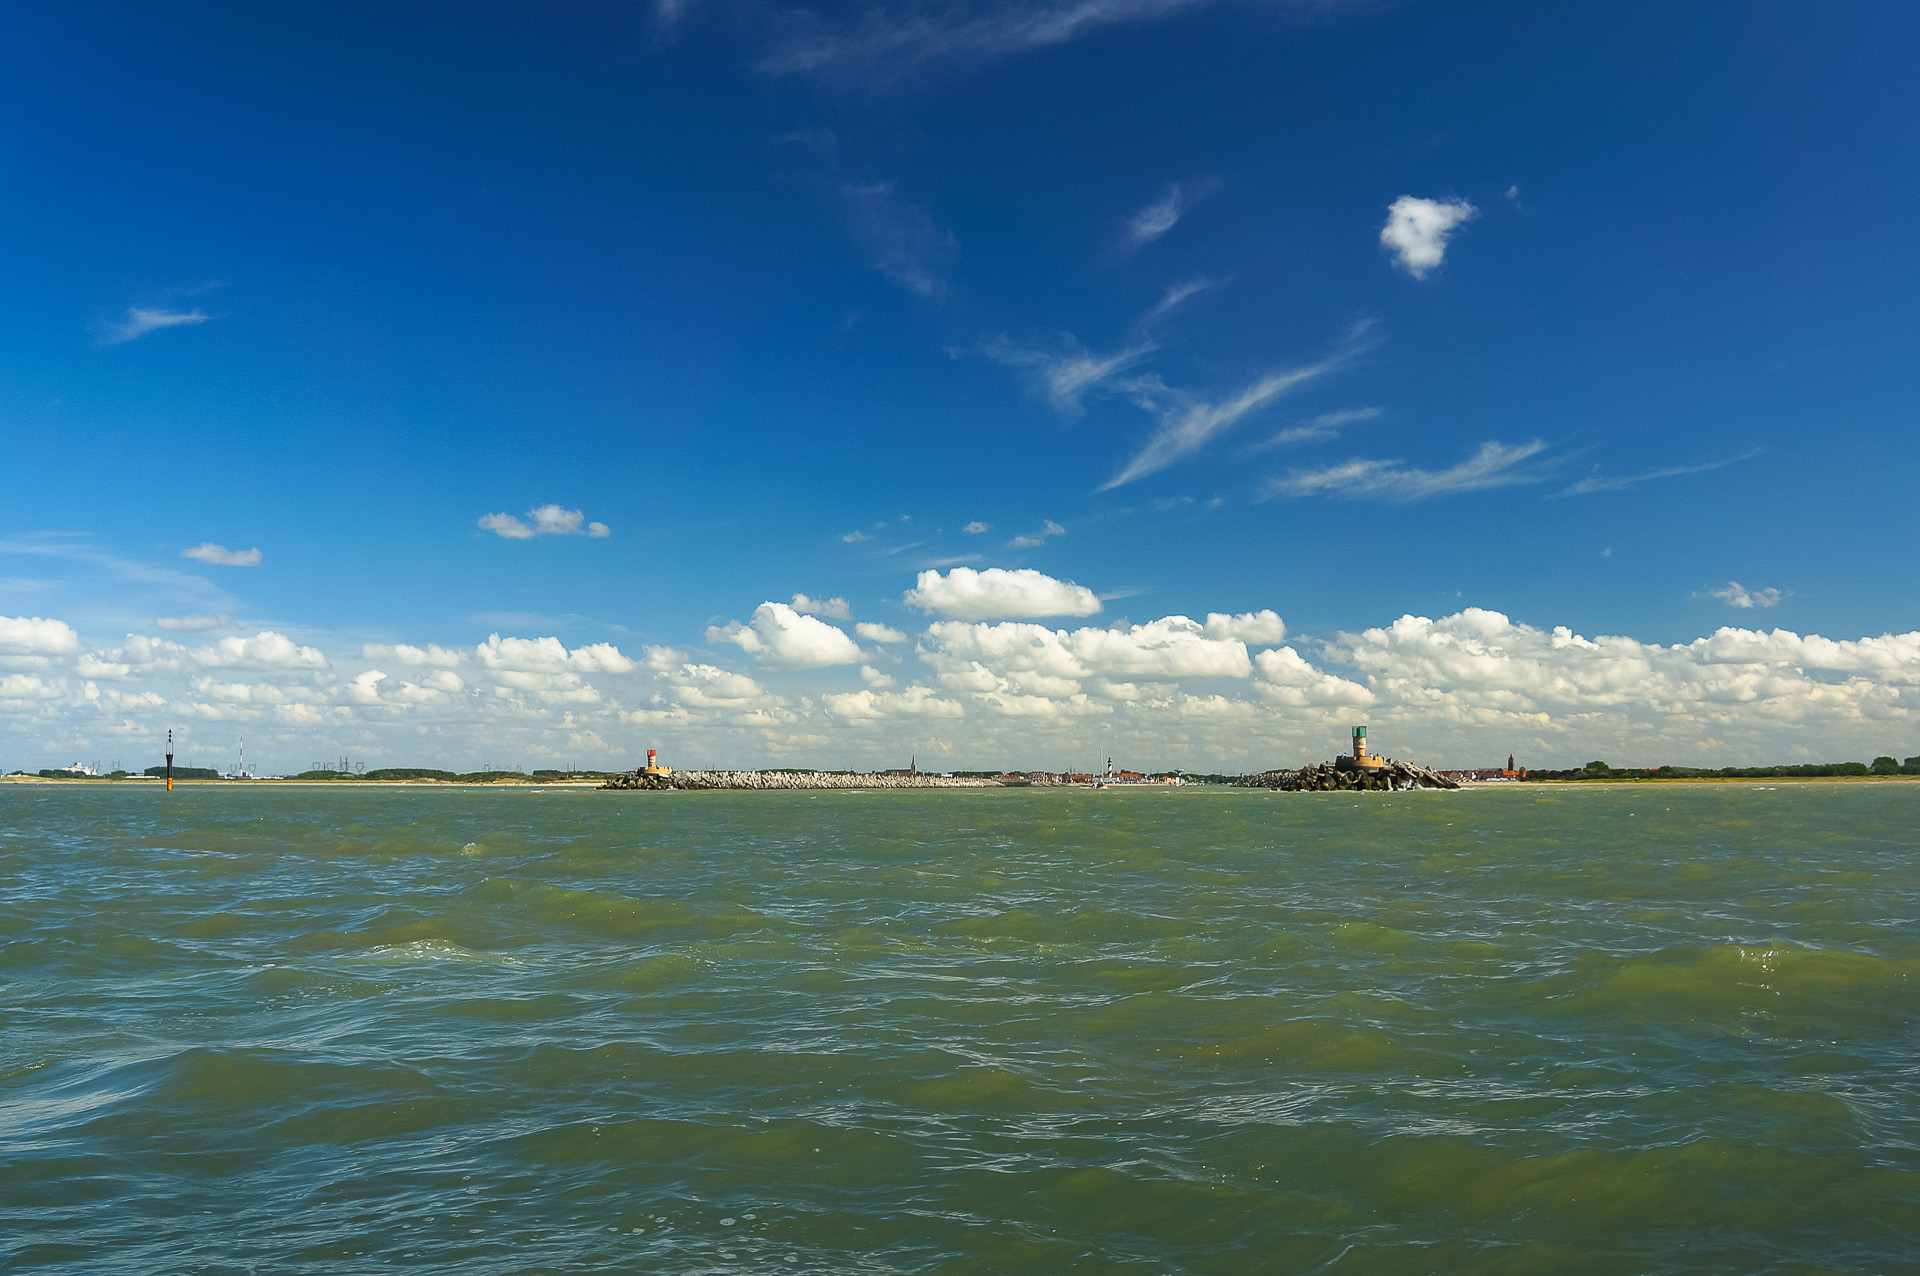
(791, 780)
(1341, 774)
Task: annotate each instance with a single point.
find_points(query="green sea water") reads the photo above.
(1564, 1030)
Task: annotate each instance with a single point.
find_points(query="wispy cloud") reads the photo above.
(1189, 425)
(976, 527)
(1494, 465)
(1176, 297)
(1417, 230)
(905, 244)
(1734, 594)
(1151, 222)
(889, 43)
(543, 520)
(220, 554)
(1597, 482)
(1068, 372)
(142, 320)
(1047, 528)
(835, 608)
(1325, 426)
(194, 624)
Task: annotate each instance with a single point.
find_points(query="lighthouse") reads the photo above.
(1361, 758)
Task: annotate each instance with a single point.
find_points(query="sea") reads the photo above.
(1544, 1029)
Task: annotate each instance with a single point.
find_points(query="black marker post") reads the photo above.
(169, 759)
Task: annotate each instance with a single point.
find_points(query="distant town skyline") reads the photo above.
(1013, 383)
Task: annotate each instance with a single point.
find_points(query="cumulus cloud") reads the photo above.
(546, 655)
(1047, 528)
(365, 687)
(264, 650)
(1417, 230)
(834, 608)
(1734, 594)
(1257, 628)
(878, 633)
(874, 678)
(403, 653)
(212, 553)
(194, 624)
(977, 528)
(543, 520)
(1033, 659)
(905, 244)
(1494, 465)
(873, 706)
(782, 636)
(967, 594)
(37, 636)
(141, 320)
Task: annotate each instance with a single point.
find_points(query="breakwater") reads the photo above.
(1341, 774)
(792, 780)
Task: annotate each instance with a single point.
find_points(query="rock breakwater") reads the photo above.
(792, 780)
(1341, 774)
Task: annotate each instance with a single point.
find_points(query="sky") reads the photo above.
(1001, 383)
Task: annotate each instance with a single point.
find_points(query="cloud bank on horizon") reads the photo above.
(981, 688)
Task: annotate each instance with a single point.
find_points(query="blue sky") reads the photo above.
(786, 299)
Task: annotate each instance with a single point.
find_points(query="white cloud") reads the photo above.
(872, 706)
(886, 43)
(194, 624)
(1186, 429)
(212, 553)
(977, 528)
(1033, 659)
(835, 608)
(1325, 426)
(1284, 677)
(783, 636)
(264, 650)
(967, 594)
(543, 520)
(878, 633)
(365, 687)
(1258, 628)
(1047, 528)
(905, 244)
(29, 687)
(1417, 229)
(141, 320)
(36, 636)
(549, 655)
(874, 678)
(1599, 483)
(431, 654)
(1157, 218)
(854, 537)
(1737, 595)
(1494, 465)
